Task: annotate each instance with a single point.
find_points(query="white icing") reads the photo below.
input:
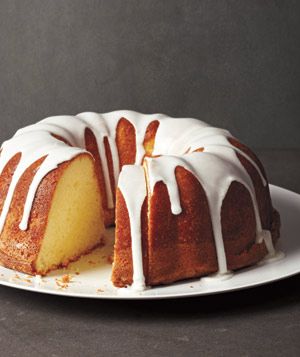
(271, 258)
(37, 280)
(216, 167)
(132, 180)
(217, 277)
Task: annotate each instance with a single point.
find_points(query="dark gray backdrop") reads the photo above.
(232, 63)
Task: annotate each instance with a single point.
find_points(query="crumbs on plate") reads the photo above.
(64, 281)
(19, 278)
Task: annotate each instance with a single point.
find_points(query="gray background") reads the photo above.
(232, 63)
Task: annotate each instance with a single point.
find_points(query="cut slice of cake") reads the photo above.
(66, 219)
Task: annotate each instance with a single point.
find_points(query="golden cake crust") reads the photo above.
(174, 247)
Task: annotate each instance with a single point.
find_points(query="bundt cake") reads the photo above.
(187, 199)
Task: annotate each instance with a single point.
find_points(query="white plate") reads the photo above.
(93, 280)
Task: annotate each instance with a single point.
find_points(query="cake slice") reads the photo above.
(65, 222)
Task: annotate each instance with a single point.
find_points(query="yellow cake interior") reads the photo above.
(75, 222)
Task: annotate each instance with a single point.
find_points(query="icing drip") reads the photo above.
(267, 238)
(32, 146)
(98, 126)
(140, 123)
(134, 204)
(216, 167)
(216, 160)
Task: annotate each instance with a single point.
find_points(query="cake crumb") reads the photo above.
(76, 271)
(110, 259)
(63, 283)
(100, 290)
(66, 278)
